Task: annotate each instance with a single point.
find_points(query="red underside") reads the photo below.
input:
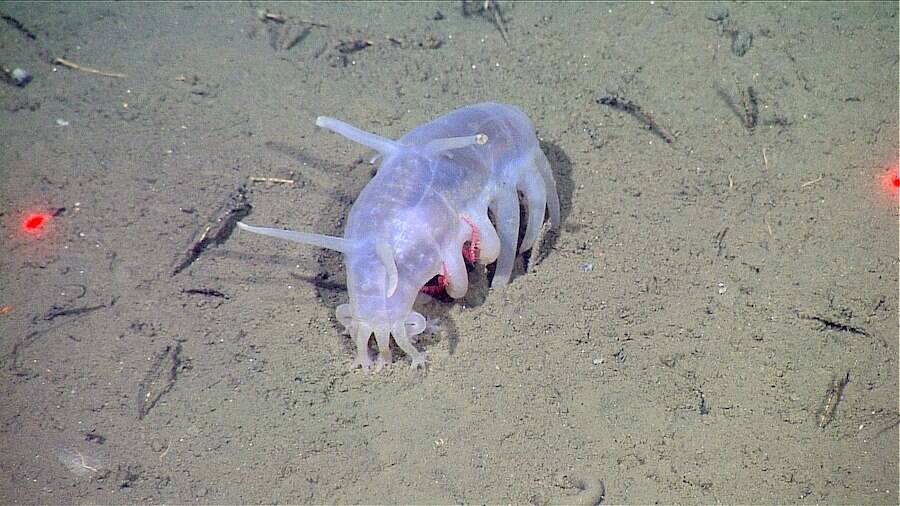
(437, 286)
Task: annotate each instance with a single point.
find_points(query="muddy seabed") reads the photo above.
(716, 321)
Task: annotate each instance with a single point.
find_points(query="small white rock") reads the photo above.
(20, 76)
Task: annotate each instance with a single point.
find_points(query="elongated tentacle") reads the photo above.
(536, 202)
(381, 144)
(457, 277)
(401, 337)
(323, 241)
(506, 211)
(383, 338)
(543, 166)
(362, 335)
(438, 146)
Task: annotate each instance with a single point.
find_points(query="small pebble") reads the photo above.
(716, 13)
(62, 122)
(20, 76)
(587, 267)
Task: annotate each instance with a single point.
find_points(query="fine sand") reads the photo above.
(716, 320)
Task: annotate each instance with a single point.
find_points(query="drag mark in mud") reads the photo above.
(833, 397)
(490, 10)
(15, 23)
(56, 311)
(220, 227)
(625, 105)
(747, 111)
(207, 292)
(829, 324)
(159, 378)
(11, 360)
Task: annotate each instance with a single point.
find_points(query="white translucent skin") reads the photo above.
(415, 202)
(431, 183)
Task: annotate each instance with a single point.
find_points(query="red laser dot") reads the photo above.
(890, 181)
(34, 223)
